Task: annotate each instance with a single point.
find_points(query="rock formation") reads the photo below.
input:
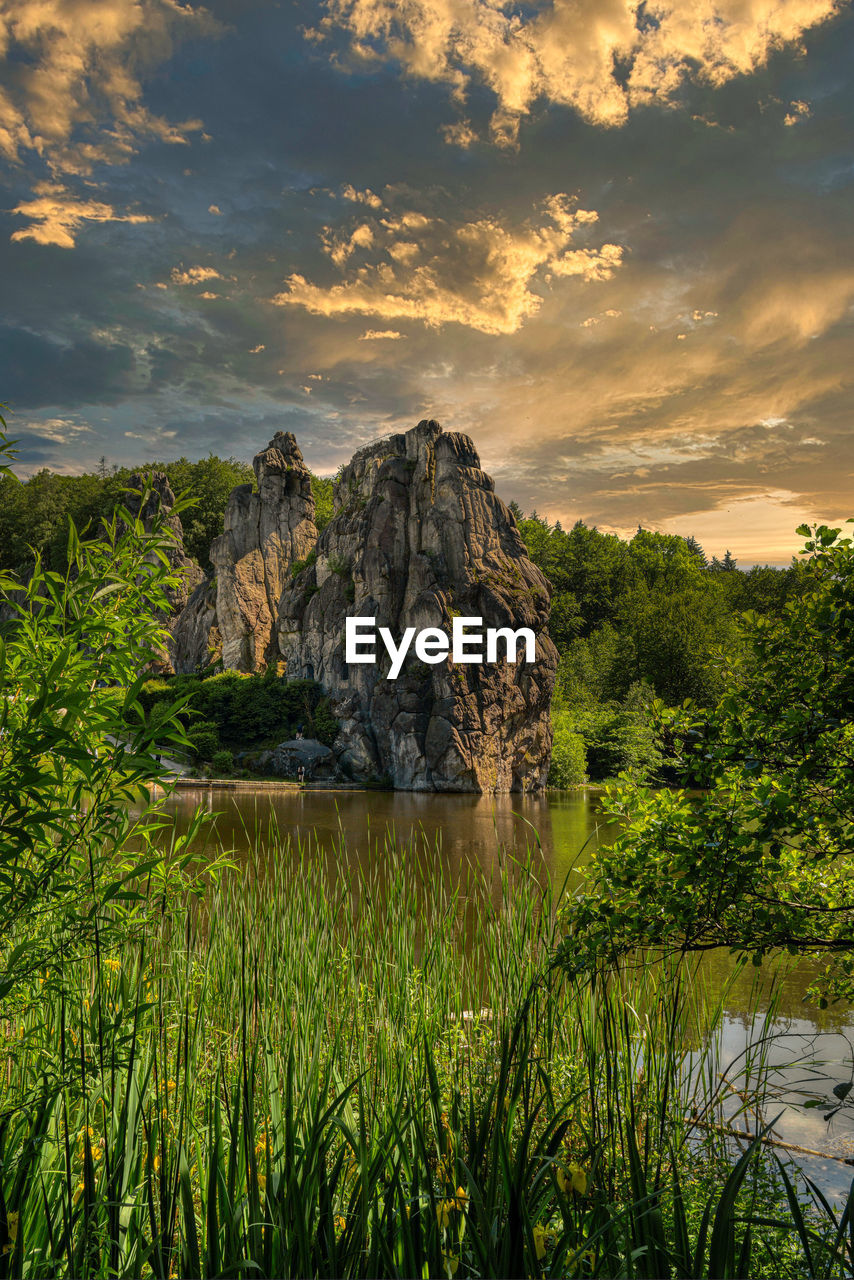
(419, 537)
(265, 532)
(196, 639)
(154, 496)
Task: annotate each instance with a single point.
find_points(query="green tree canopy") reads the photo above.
(763, 859)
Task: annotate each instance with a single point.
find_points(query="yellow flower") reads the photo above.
(443, 1212)
(461, 1199)
(572, 1178)
(340, 1224)
(12, 1220)
(540, 1241)
(262, 1182)
(452, 1263)
(79, 1189)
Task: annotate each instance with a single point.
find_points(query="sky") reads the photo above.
(612, 241)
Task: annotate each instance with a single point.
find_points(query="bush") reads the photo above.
(204, 737)
(569, 756)
(243, 711)
(222, 762)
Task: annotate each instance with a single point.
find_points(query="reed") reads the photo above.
(378, 1072)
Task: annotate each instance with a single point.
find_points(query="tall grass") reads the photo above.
(377, 1073)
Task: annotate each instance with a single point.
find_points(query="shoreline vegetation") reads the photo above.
(295, 1069)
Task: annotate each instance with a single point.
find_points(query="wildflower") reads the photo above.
(451, 1262)
(112, 963)
(12, 1221)
(340, 1224)
(539, 1241)
(571, 1178)
(461, 1199)
(262, 1183)
(444, 1210)
(79, 1189)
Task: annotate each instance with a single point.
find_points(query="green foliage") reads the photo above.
(222, 762)
(650, 611)
(280, 1083)
(241, 712)
(321, 487)
(621, 736)
(77, 752)
(209, 481)
(764, 861)
(34, 513)
(298, 565)
(569, 757)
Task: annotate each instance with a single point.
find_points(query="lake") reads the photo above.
(811, 1050)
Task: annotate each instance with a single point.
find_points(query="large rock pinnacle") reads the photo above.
(265, 532)
(419, 537)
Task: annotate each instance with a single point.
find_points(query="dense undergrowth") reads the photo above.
(229, 714)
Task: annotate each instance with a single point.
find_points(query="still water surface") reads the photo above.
(812, 1050)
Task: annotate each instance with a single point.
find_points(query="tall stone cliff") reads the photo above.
(265, 532)
(417, 538)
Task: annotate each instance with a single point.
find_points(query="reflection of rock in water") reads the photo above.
(417, 538)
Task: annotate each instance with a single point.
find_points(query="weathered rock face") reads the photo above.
(196, 639)
(160, 500)
(419, 537)
(156, 497)
(265, 532)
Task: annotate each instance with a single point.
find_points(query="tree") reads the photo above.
(763, 859)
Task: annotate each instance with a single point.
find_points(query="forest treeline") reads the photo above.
(34, 514)
(633, 620)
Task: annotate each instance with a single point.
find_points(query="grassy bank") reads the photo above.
(303, 1074)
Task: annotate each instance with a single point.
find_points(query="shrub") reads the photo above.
(569, 757)
(222, 762)
(204, 737)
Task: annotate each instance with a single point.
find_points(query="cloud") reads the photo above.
(797, 112)
(57, 215)
(215, 210)
(367, 197)
(194, 275)
(376, 335)
(73, 81)
(600, 57)
(477, 273)
(459, 134)
(57, 430)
